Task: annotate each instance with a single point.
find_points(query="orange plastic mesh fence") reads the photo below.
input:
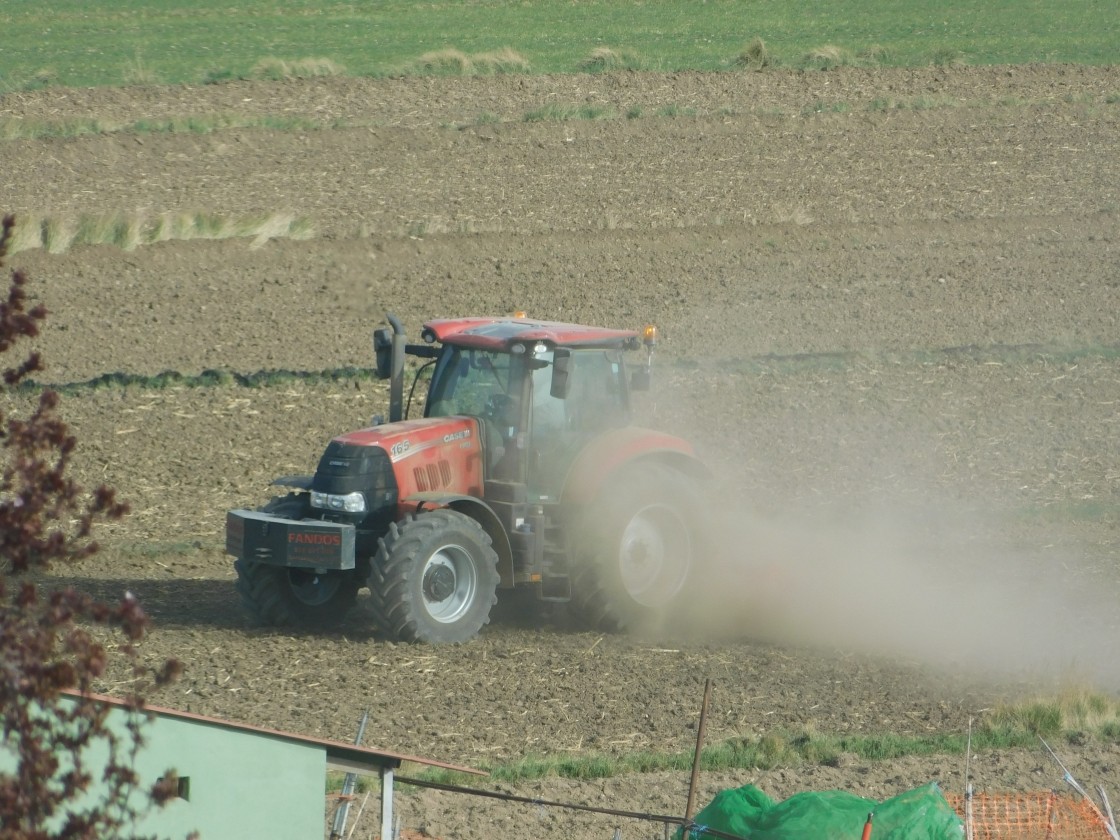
(1043, 815)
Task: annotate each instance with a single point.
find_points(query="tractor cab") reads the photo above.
(540, 390)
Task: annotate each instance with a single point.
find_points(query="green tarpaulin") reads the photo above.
(919, 814)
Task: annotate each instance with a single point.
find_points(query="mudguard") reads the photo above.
(615, 449)
(476, 509)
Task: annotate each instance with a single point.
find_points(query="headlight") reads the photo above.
(350, 503)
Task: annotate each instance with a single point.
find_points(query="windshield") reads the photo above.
(536, 447)
(466, 381)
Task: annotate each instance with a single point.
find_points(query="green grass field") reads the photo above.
(113, 42)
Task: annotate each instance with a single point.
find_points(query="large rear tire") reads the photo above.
(282, 596)
(638, 550)
(434, 578)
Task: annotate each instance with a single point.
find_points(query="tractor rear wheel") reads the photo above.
(434, 578)
(637, 552)
(281, 595)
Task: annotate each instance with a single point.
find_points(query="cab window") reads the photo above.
(468, 381)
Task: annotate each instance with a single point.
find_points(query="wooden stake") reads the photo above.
(690, 807)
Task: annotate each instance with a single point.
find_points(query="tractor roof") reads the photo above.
(503, 333)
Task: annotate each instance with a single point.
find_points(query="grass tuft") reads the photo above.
(1074, 709)
(218, 75)
(44, 77)
(453, 62)
(58, 234)
(563, 113)
(29, 232)
(947, 57)
(607, 60)
(300, 228)
(887, 103)
(138, 72)
(499, 62)
(278, 70)
(98, 229)
(827, 57)
(876, 55)
(447, 62)
(754, 56)
(275, 226)
(674, 110)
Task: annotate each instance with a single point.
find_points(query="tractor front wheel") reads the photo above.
(637, 553)
(434, 578)
(279, 595)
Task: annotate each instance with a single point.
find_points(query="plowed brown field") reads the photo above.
(889, 303)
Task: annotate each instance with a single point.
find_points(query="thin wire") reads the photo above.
(689, 825)
(1072, 782)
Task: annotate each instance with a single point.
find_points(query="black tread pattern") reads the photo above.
(260, 593)
(591, 602)
(396, 602)
(596, 600)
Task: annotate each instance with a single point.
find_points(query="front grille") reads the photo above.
(346, 468)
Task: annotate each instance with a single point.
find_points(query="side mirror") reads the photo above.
(639, 379)
(383, 352)
(561, 374)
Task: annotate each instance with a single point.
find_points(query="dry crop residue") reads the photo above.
(889, 308)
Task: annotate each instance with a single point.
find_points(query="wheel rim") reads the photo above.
(311, 588)
(449, 583)
(654, 555)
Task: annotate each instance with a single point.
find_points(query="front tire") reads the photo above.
(434, 578)
(638, 552)
(282, 596)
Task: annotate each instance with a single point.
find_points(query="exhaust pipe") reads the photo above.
(388, 354)
(396, 370)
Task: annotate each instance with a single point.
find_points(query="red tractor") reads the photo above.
(524, 472)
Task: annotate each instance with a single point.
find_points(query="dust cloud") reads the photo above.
(937, 586)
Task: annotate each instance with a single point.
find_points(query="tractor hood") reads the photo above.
(431, 457)
(409, 439)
